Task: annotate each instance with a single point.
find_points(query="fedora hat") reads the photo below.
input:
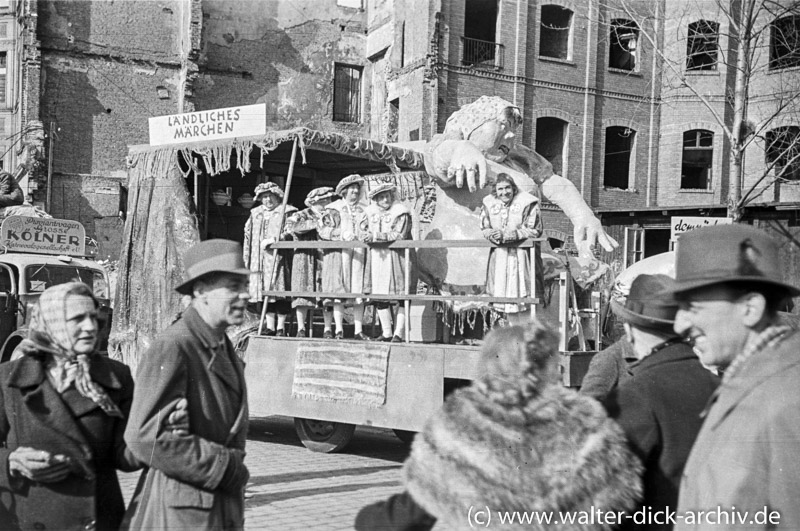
(648, 304)
(211, 256)
(727, 253)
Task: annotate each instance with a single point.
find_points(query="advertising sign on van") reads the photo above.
(23, 234)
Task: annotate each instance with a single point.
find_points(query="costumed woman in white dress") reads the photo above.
(388, 220)
(343, 269)
(509, 215)
(264, 228)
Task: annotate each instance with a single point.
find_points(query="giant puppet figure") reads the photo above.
(478, 143)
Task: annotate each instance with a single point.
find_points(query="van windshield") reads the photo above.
(39, 277)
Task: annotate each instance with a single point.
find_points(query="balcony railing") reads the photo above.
(481, 54)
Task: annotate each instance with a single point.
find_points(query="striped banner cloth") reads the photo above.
(347, 372)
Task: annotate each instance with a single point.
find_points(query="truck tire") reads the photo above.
(322, 435)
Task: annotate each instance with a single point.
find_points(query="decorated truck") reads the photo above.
(35, 254)
(182, 191)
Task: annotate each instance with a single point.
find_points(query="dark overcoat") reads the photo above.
(34, 415)
(659, 408)
(180, 490)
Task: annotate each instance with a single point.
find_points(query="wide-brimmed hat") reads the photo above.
(318, 194)
(383, 187)
(267, 188)
(727, 253)
(347, 181)
(211, 256)
(649, 304)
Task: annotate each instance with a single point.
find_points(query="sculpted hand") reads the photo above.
(266, 242)
(38, 465)
(348, 236)
(456, 162)
(589, 232)
(495, 236)
(366, 237)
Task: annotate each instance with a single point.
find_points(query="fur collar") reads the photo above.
(554, 451)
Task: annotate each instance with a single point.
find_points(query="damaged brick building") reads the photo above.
(598, 100)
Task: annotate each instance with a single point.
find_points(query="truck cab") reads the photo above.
(29, 264)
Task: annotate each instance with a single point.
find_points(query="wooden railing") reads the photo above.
(407, 296)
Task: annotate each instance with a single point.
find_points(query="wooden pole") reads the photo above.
(407, 303)
(286, 190)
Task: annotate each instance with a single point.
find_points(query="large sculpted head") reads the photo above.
(489, 122)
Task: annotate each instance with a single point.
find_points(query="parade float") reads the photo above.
(183, 189)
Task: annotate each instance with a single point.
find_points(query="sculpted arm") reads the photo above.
(588, 230)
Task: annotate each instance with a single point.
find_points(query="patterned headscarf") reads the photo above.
(48, 335)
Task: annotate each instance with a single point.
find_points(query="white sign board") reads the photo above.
(43, 235)
(681, 224)
(214, 124)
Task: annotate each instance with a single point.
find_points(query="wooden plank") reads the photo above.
(401, 244)
(383, 297)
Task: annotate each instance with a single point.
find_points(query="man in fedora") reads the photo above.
(196, 478)
(729, 286)
(659, 405)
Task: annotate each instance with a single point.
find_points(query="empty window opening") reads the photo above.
(701, 45)
(480, 33)
(555, 39)
(551, 135)
(347, 93)
(619, 145)
(394, 120)
(784, 47)
(698, 154)
(623, 44)
(783, 152)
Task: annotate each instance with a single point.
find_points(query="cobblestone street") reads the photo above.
(293, 488)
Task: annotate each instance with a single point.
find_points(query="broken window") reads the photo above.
(698, 153)
(623, 42)
(551, 135)
(619, 145)
(346, 93)
(784, 43)
(783, 152)
(701, 45)
(394, 120)
(480, 48)
(555, 39)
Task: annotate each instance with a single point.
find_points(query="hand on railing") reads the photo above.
(493, 235)
(266, 242)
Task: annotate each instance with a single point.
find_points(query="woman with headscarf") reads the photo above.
(514, 440)
(265, 227)
(343, 269)
(509, 215)
(63, 409)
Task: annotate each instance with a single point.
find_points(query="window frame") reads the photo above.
(791, 57)
(697, 147)
(778, 168)
(543, 32)
(354, 111)
(614, 43)
(631, 155)
(710, 39)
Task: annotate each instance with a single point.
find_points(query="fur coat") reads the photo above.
(554, 451)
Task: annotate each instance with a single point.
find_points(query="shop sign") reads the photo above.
(681, 224)
(25, 234)
(214, 124)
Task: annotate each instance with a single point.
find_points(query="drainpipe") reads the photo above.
(585, 140)
(651, 132)
(516, 51)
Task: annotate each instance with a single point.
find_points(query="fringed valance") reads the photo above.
(216, 154)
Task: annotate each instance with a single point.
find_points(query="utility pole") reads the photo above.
(50, 167)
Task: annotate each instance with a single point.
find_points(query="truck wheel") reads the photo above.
(322, 435)
(405, 435)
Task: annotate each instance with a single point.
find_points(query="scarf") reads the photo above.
(48, 335)
(768, 338)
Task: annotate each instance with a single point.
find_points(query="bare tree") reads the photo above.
(757, 43)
